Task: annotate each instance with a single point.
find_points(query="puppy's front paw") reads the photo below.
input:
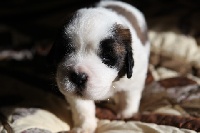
(85, 128)
(124, 114)
(128, 105)
(79, 130)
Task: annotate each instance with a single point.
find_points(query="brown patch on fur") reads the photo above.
(132, 19)
(122, 34)
(123, 49)
(120, 51)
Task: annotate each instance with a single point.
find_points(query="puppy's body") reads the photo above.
(102, 52)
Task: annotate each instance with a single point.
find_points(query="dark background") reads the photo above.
(40, 20)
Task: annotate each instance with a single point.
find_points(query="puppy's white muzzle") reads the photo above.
(88, 78)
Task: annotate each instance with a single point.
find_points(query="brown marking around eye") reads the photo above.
(120, 52)
(119, 49)
(123, 50)
(122, 35)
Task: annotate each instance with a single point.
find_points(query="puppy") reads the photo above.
(102, 52)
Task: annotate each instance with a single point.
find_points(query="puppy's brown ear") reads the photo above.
(124, 37)
(129, 62)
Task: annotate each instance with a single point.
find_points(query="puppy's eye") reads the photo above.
(108, 59)
(106, 52)
(105, 59)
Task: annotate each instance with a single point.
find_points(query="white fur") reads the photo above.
(86, 30)
(135, 11)
(98, 84)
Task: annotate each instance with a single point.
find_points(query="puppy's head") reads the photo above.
(93, 50)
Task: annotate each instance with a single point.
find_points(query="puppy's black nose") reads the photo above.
(79, 78)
